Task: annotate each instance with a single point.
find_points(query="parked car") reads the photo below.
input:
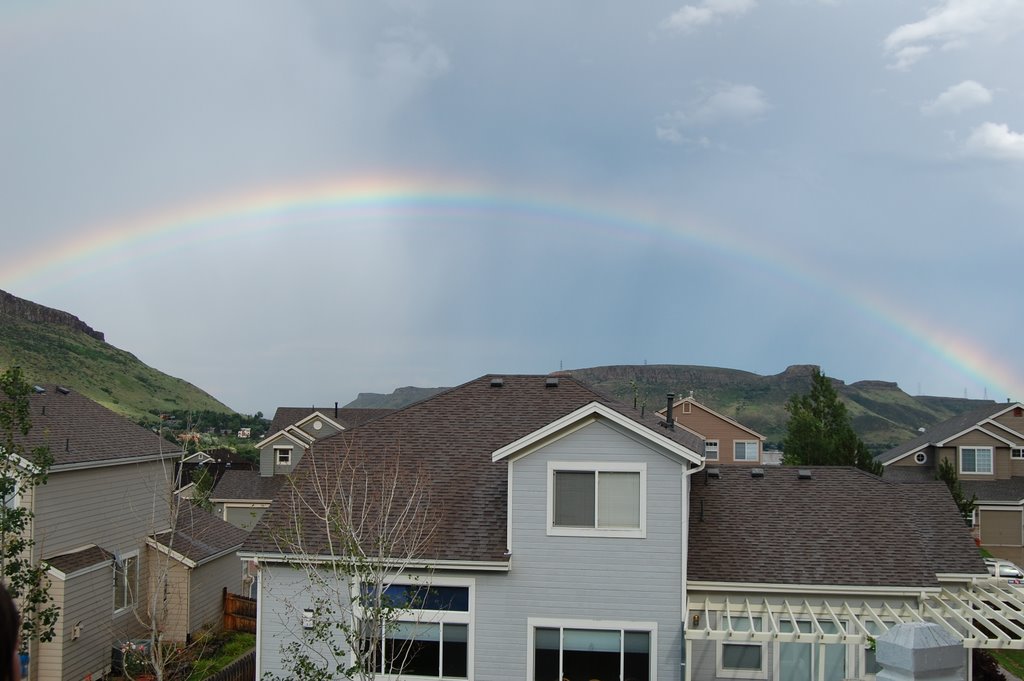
(1004, 569)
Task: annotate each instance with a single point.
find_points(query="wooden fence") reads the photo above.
(242, 669)
(239, 612)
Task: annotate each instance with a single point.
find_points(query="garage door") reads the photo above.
(1001, 528)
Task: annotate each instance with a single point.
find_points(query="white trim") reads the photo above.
(134, 553)
(167, 551)
(735, 672)
(718, 450)
(921, 458)
(1017, 449)
(298, 558)
(1003, 426)
(757, 454)
(977, 426)
(904, 455)
(283, 433)
(106, 463)
(534, 623)
(991, 459)
(320, 414)
(594, 409)
(64, 576)
(285, 450)
(597, 468)
(818, 589)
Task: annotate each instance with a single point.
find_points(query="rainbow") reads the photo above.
(328, 202)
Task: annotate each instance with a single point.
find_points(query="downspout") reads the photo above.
(687, 643)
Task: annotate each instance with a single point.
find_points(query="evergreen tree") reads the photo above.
(819, 431)
(947, 474)
(21, 470)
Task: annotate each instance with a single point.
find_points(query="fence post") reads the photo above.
(920, 650)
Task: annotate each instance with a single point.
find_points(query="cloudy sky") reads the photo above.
(290, 203)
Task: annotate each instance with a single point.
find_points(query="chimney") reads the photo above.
(670, 422)
(335, 410)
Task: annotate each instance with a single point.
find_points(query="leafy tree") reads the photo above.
(819, 431)
(22, 469)
(203, 480)
(947, 474)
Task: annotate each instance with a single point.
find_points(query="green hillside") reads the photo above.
(55, 347)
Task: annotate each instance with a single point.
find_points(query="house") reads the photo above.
(986, 446)
(241, 496)
(573, 537)
(817, 568)
(109, 488)
(725, 440)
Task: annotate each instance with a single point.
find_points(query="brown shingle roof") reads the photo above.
(841, 527)
(243, 484)
(199, 535)
(944, 430)
(346, 416)
(80, 559)
(449, 439)
(80, 431)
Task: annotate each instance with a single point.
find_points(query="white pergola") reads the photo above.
(984, 613)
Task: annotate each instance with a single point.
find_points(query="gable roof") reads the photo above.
(945, 430)
(198, 536)
(842, 527)
(711, 411)
(236, 484)
(82, 433)
(449, 439)
(347, 417)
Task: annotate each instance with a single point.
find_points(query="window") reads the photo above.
(742, 660)
(711, 450)
(744, 450)
(283, 456)
(1017, 453)
(431, 638)
(596, 499)
(566, 650)
(686, 407)
(921, 457)
(126, 581)
(976, 460)
(804, 661)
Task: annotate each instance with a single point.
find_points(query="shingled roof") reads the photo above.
(235, 484)
(199, 536)
(841, 527)
(346, 416)
(942, 431)
(449, 439)
(79, 431)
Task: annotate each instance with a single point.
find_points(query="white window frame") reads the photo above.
(432, 616)
(757, 450)
(976, 448)
(133, 592)
(710, 446)
(1017, 452)
(734, 673)
(849, 657)
(534, 623)
(281, 450)
(597, 467)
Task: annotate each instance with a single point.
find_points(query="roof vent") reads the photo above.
(757, 472)
(39, 389)
(551, 382)
(803, 474)
(62, 390)
(497, 382)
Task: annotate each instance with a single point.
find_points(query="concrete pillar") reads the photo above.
(920, 650)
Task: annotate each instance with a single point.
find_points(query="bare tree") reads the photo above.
(358, 525)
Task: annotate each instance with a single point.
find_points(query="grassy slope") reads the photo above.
(51, 353)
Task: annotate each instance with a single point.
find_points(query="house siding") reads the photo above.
(206, 591)
(268, 462)
(175, 617)
(1014, 423)
(87, 600)
(114, 507)
(599, 578)
(326, 431)
(553, 577)
(244, 517)
(712, 427)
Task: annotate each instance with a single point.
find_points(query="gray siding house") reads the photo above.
(575, 538)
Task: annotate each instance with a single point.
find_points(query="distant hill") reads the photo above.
(395, 400)
(52, 346)
(882, 414)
